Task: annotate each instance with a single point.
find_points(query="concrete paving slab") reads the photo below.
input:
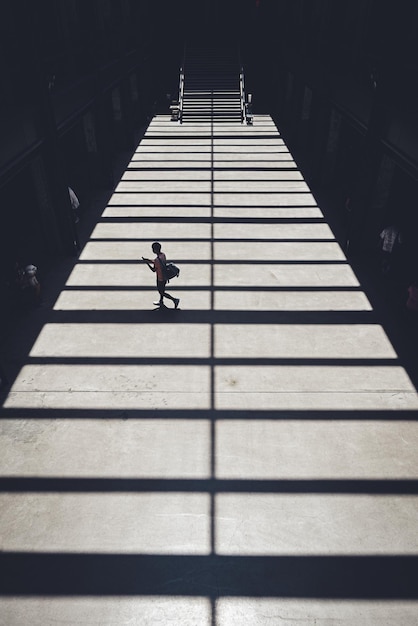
(144, 212)
(116, 341)
(227, 130)
(336, 450)
(189, 611)
(261, 186)
(270, 212)
(143, 611)
(293, 341)
(198, 198)
(187, 164)
(321, 301)
(147, 523)
(276, 158)
(259, 132)
(295, 275)
(147, 231)
(103, 448)
(166, 175)
(173, 131)
(256, 175)
(289, 524)
(163, 150)
(264, 232)
(94, 378)
(251, 143)
(171, 157)
(131, 300)
(267, 199)
(133, 275)
(236, 162)
(170, 186)
(287, 404)
(174, 142)
(257, 151)
(313, 378)
(157, 130)
(274, 251)
(257, 612)
(104, 401)
(132, 251)
(106, 275)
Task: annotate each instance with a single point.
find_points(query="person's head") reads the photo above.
(156, 247)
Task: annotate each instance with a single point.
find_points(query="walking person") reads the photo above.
(158, 265)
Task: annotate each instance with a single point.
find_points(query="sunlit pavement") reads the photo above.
(250, 458)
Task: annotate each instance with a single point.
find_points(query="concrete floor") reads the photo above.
(248, 459)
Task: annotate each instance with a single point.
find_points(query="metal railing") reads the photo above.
(242, 94)
(181, 95)
(245, 101)
(176, 106)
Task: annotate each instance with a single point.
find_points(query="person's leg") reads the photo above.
(163, 294)
(172, 298)
(161, 290)
(175, 300)
(167, 295)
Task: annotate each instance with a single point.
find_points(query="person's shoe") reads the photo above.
(176, 302)
(159, 304)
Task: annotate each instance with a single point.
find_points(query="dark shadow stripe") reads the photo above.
(387, 487)
(232, 288)
(238, 181)
(213, 576)
(247, 362)
(211, 135)
(246, 192)
(253, 318)
(354, 415)
(220, 261)
(159, 167)
(187, 219)
(229, 207)
(199, 239)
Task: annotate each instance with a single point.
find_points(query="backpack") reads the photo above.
(169, 269)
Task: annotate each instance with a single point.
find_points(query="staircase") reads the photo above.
(211, 87)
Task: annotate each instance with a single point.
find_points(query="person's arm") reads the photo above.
(148, 262)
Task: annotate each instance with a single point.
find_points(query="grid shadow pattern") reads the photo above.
(249, 455)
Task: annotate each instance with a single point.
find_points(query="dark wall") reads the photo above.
(81, 78)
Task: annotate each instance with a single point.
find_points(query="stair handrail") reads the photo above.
(181, 95)
(242, 94)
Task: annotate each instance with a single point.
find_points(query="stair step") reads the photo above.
(211, 85)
